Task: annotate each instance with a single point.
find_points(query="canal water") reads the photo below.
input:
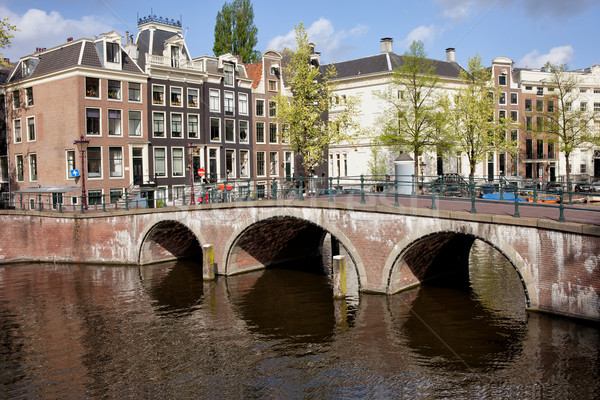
(159, 332)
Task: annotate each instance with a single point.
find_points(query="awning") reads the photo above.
(49, 189)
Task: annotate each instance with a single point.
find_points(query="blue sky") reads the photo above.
(530, 32)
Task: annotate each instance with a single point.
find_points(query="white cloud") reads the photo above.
(324, 36)
(426, 34)
(40, 29)
(557, 55)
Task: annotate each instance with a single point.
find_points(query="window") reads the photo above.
(502, 115)
(272, 109)
(243, 103)
(502, 99)
(177, 154)
(158, 124)
(582, 90)
(244, 132)
(529, 148)
(176, 125)
(3, 168)
(514, 135)
(214, 101)
(260, 132)
(260, 163)
(285, 129)
(115, 195)
(94, 197)
(19, 166)
(539, 124)
(596, 106)
(550, 106)
(160, 166)
(193, 126)
(514, 98)
(272, 86)
(230, 163)
(112, 52)
(29, 96)
(16, 99)
(229, 130)
(176, 93)
(288, 157)
(540, 149)
(514, 116)
(550, 150)
(229, 107)
(114, 90)
(213, 164)
(540, 91)
(31, 129)
(529, 124)
(114, 122)
(115, 158)
(273, 162)
(135, 123)
(502, 80)
(539, 105)
(193, 98)
(272, 133)
(33, 167)
(92, 87)
(70, 163)
(228, 69)
(17, 131)
(583, 106)
(244, 167)
(260, 108)
(94, 162)
(568, 106)
(528, 105)
(274, 71)
(215, 129)
(158, 95)
(135, 92)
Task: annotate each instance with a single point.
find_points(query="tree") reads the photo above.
(412, 121)
(475, 131)
(304, 114)
(377, 164)
(5, 34)
(572, 125)
(235, 31)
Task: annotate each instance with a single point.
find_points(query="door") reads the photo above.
(138, 167)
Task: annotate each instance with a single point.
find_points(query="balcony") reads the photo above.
(170, 62)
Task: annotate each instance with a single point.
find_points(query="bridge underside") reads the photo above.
(170, 240)
(275, 241)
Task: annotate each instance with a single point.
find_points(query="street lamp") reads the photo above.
(422, 165)
(192, 147)
(82, 145)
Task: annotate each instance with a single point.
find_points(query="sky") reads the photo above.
(529, 32)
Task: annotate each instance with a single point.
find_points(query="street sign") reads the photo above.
(74, 173)
(201, 172)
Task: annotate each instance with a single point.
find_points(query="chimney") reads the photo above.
(127, 36)
(69, 39)
(450, 54)
(387, 45)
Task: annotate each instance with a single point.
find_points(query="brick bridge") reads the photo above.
(389, 248)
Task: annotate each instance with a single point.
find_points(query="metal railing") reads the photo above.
(357, 189)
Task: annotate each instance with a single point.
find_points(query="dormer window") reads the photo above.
(228, 69)
(502, 80)
(113, 52)
(274, 71)
(26, 67)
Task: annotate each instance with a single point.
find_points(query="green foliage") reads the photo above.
(413, 121)
(475, 131)
(5, 34)
(304, 114)
(572, 126)
(377, 164)
(235, 31)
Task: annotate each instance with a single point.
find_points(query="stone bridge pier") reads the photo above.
(390, 249)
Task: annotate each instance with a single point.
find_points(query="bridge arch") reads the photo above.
(405, 270)
(168, 240)
(312, 223)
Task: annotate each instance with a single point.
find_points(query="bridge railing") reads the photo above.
(384, 189)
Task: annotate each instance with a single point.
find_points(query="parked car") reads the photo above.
(595, 187)
(554, 187)
(583, 187)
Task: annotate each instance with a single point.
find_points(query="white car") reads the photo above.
(596, 187)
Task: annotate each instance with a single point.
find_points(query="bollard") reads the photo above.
(126, 200)
(362, 189)
(433, 207)
(396, 193)
(561, 217)
(339, 277)
(301, 189)
(516, 215)
(274, 188)
(472, 190)
(330, 189)
(208, 263)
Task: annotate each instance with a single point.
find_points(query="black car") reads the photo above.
(583, 187)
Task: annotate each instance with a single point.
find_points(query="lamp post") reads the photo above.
(422, 165)
(82, 145)
(192, 147)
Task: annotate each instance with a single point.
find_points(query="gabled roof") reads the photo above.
(68, 56)
(387, 62)
(254, 72)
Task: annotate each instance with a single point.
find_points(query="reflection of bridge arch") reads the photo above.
(169, 240)
(287, 218)
(443, 257)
